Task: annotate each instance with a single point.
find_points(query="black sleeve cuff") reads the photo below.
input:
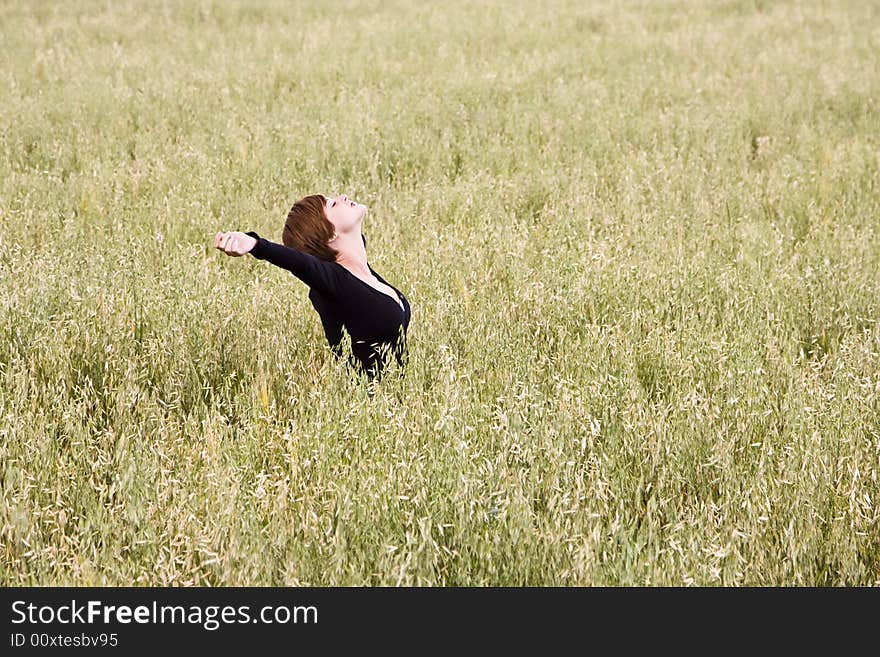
(258, 246)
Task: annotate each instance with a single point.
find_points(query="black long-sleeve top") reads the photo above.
(376, 323)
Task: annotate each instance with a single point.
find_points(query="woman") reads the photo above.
(325, 249)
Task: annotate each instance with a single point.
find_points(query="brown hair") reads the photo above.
(307, 228)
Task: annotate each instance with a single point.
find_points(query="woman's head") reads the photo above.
(315, 221)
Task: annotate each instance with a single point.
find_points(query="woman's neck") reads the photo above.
(352, 254)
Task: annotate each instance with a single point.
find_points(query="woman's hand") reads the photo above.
(234, 243)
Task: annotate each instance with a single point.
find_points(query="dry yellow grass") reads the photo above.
(639, 238)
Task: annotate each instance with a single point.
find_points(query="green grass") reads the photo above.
(641, 244)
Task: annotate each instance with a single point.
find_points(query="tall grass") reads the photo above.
(641, 244)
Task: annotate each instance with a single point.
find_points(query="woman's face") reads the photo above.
(344, 213)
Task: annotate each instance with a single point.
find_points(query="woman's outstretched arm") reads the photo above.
(312, 271)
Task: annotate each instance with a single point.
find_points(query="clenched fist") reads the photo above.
(234, 243)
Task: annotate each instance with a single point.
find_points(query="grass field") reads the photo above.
(640, 240)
